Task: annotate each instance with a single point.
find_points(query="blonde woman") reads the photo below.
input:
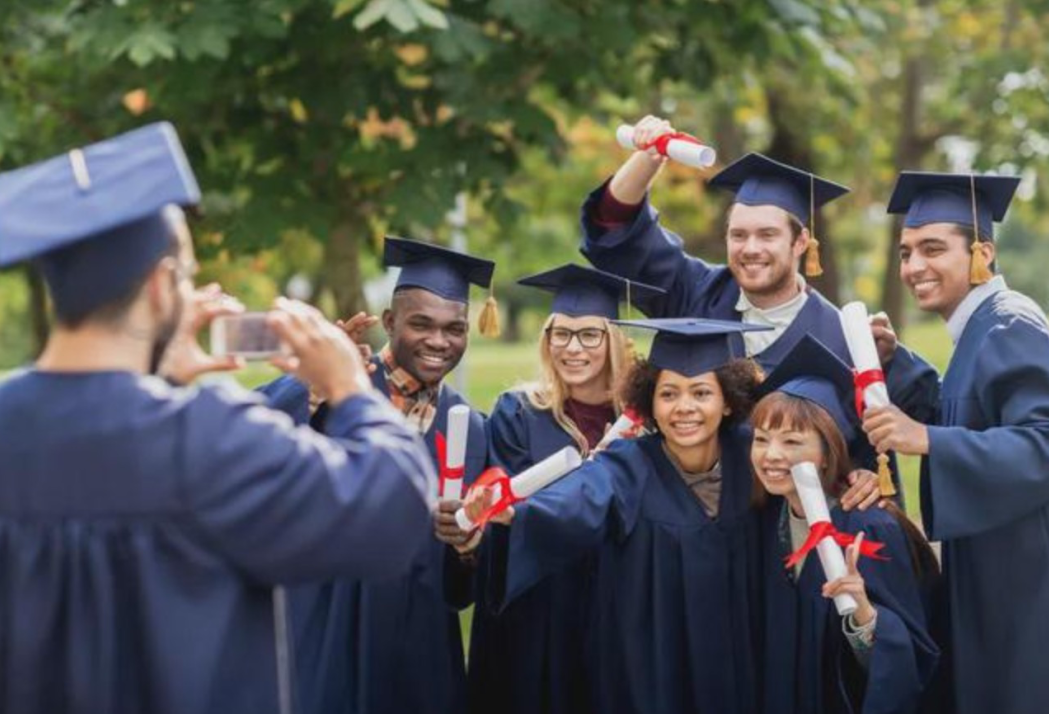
(529, 657)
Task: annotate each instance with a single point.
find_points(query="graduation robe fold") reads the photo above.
(985, 494)
(529, 658)
(647, 252)
(673, 594)
(393, 645)
(143, 527)
(809, 666)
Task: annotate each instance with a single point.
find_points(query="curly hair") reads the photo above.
(739, 380)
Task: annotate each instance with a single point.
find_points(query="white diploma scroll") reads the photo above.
(533, 479)
(624, 424)
(698, 156)
(810, 490)
(857, 328)
(458, 428)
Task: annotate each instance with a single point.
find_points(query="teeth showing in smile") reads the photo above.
(431, 359)
(776, 474)
(575, 362)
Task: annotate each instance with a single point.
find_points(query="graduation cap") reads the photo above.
(811, 371)
(444, 272)
(580, 291)
(691, 346)
(965, 199)
(758, 180)
(97, 218)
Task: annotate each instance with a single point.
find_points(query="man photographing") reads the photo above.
(144, 525)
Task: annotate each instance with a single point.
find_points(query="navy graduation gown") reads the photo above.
(985, 494)
(529, 658)
(647, 252)
(144, 526)
(809, 666)
(395, 645)
(673, 594)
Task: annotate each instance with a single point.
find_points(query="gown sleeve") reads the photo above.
(903, 657)
(646, 252)
(980, 480)
(287, 504)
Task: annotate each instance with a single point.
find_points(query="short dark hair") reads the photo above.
(738, 379)
(113, 311)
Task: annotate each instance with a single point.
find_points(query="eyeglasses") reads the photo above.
(589, 337)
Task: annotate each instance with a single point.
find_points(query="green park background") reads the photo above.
(316, 127)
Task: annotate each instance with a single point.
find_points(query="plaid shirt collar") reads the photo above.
(398, 377)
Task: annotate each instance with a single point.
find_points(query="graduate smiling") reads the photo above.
(985, 453)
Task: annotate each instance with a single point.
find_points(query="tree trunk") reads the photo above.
(38, 320)
(342, 264)
(909, 154)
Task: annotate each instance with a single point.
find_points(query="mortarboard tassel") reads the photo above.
(885, 484)
(979, 271)
(813, 268)
(488, 322)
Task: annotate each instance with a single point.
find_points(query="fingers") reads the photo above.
(864, 484)
(870, 499)
(852, 554)
(845, 585)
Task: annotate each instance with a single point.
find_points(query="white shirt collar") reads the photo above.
(960, 317)
(786, 310)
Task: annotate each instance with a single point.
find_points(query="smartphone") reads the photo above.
(246, 335)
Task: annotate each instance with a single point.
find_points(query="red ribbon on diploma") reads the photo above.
(660, 143)
(445, 472)
(823, 529)
(862, 380)
(492, 477)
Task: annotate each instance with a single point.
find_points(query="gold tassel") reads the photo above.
(488, 322)
(813, 269)
(885, 484)
(979, 271)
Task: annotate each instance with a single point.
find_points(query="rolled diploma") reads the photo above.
(533, 479)
(697, 156)
(810, 491)
(857, 328)
(623, 424)
(458, 428)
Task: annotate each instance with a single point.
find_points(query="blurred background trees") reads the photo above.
(318, 126)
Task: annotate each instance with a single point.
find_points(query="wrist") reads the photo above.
(864, 615)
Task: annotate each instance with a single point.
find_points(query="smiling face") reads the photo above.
(764, 249)
(934, 265)
(428, 334)
(775, 450)
(688, 410)
(789, 430)
(578, 348)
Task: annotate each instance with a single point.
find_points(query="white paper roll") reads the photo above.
(857, 328)
(458, 428)
(534, 478)
(621, 426)
(810, 491)
(697, 156)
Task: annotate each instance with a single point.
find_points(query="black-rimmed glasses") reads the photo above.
(589, 337)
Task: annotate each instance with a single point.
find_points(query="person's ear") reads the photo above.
(387, 321)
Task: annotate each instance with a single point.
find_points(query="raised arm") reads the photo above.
(622, 235)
